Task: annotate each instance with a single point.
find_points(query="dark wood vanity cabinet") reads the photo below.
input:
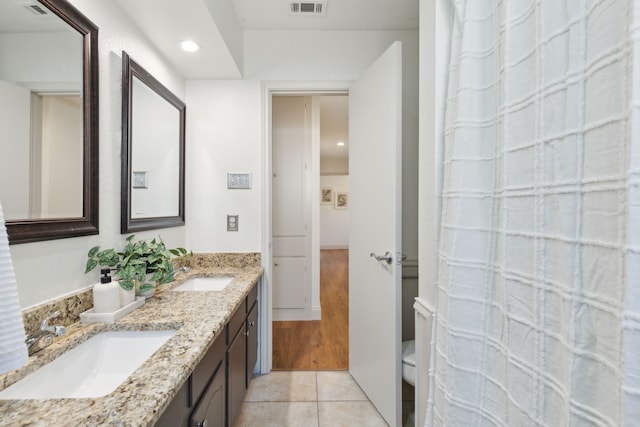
(242, 355)
(236, 373)
(203, 396)
(178, 411)
(252, 343)
(214, 393)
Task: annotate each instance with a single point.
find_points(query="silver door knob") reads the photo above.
(386, 257)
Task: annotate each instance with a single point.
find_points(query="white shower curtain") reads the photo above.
(538, 307)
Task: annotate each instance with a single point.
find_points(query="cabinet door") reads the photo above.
(202, 374)
(177, 413)
(236, 373)
(289, 290)
(210, 411)
(252, 342)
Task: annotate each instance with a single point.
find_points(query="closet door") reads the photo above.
(290, 201)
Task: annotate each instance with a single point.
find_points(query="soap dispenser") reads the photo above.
(106, 295)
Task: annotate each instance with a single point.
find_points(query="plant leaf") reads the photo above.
(91, 264)
(93, 251)
(127, 285)
(146, 287)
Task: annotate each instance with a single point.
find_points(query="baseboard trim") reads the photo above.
(290, 314)
(316, 313)
(329, 247)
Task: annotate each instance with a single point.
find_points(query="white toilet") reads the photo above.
(409, 361)
(409, 370)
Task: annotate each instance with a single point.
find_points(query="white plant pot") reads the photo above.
(147, 294)
(127, 297)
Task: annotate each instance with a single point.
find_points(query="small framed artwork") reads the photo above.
(139, 179)
(326, 196)
(342, 200)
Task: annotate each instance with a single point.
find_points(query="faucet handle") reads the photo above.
(45, 323)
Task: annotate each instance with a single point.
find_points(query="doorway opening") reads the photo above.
(310, 201)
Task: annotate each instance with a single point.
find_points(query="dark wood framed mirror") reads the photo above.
(44, 78)
(153, 150)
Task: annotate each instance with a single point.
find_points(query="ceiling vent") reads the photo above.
(308, 7)
(33, 7)
(36, 9)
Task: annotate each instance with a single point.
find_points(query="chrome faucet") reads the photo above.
(44, 337)
(180, 270)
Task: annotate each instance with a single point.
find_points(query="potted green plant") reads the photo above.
(141, 265)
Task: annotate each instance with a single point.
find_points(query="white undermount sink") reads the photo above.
(95, 368)
(205, 284)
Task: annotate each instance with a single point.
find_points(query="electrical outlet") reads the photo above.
(237, 181)
(232, 222)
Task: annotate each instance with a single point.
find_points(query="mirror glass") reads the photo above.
(48, 66)
(153, 152)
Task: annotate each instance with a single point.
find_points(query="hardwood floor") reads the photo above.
(319, 344)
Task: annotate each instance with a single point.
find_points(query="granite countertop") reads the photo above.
(198, 317)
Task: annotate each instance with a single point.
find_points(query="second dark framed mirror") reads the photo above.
(153, 149)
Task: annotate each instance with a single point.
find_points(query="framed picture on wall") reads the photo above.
(326, 195)
(341, 200)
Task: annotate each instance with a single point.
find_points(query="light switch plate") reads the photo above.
(232, 222)
(238, 181)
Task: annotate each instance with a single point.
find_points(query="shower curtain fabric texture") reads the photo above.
(538, 307)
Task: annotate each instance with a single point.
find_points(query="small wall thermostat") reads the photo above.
(238, 181)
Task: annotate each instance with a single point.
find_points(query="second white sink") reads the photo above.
(95, 368)
(205, 284)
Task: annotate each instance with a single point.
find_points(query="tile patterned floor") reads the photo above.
(307, 398)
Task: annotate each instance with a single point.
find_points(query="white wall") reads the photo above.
(15, 111)
(61, 157)
(334, 166)
(224, 127)
(434, 63)
(31, 58)
(334, 223)
(224, 134)
(344, 56)
(46, 270)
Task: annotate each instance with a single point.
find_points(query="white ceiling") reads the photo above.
(15, 17)
(212, 22)
(167, 22)
(340, 15)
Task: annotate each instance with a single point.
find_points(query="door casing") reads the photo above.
(269, 89)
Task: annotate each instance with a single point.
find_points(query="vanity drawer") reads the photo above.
(235, 323)
(206, 368)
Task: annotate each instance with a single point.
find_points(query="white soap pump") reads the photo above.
(106, 295)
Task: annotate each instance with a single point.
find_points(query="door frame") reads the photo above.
(268, 90)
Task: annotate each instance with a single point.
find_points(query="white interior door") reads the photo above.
(375, 155)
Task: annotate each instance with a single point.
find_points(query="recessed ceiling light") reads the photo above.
(189, 46)
(340, 144)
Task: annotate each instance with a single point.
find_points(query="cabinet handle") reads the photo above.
(246, 334)
(252, 323)
(202, 423)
